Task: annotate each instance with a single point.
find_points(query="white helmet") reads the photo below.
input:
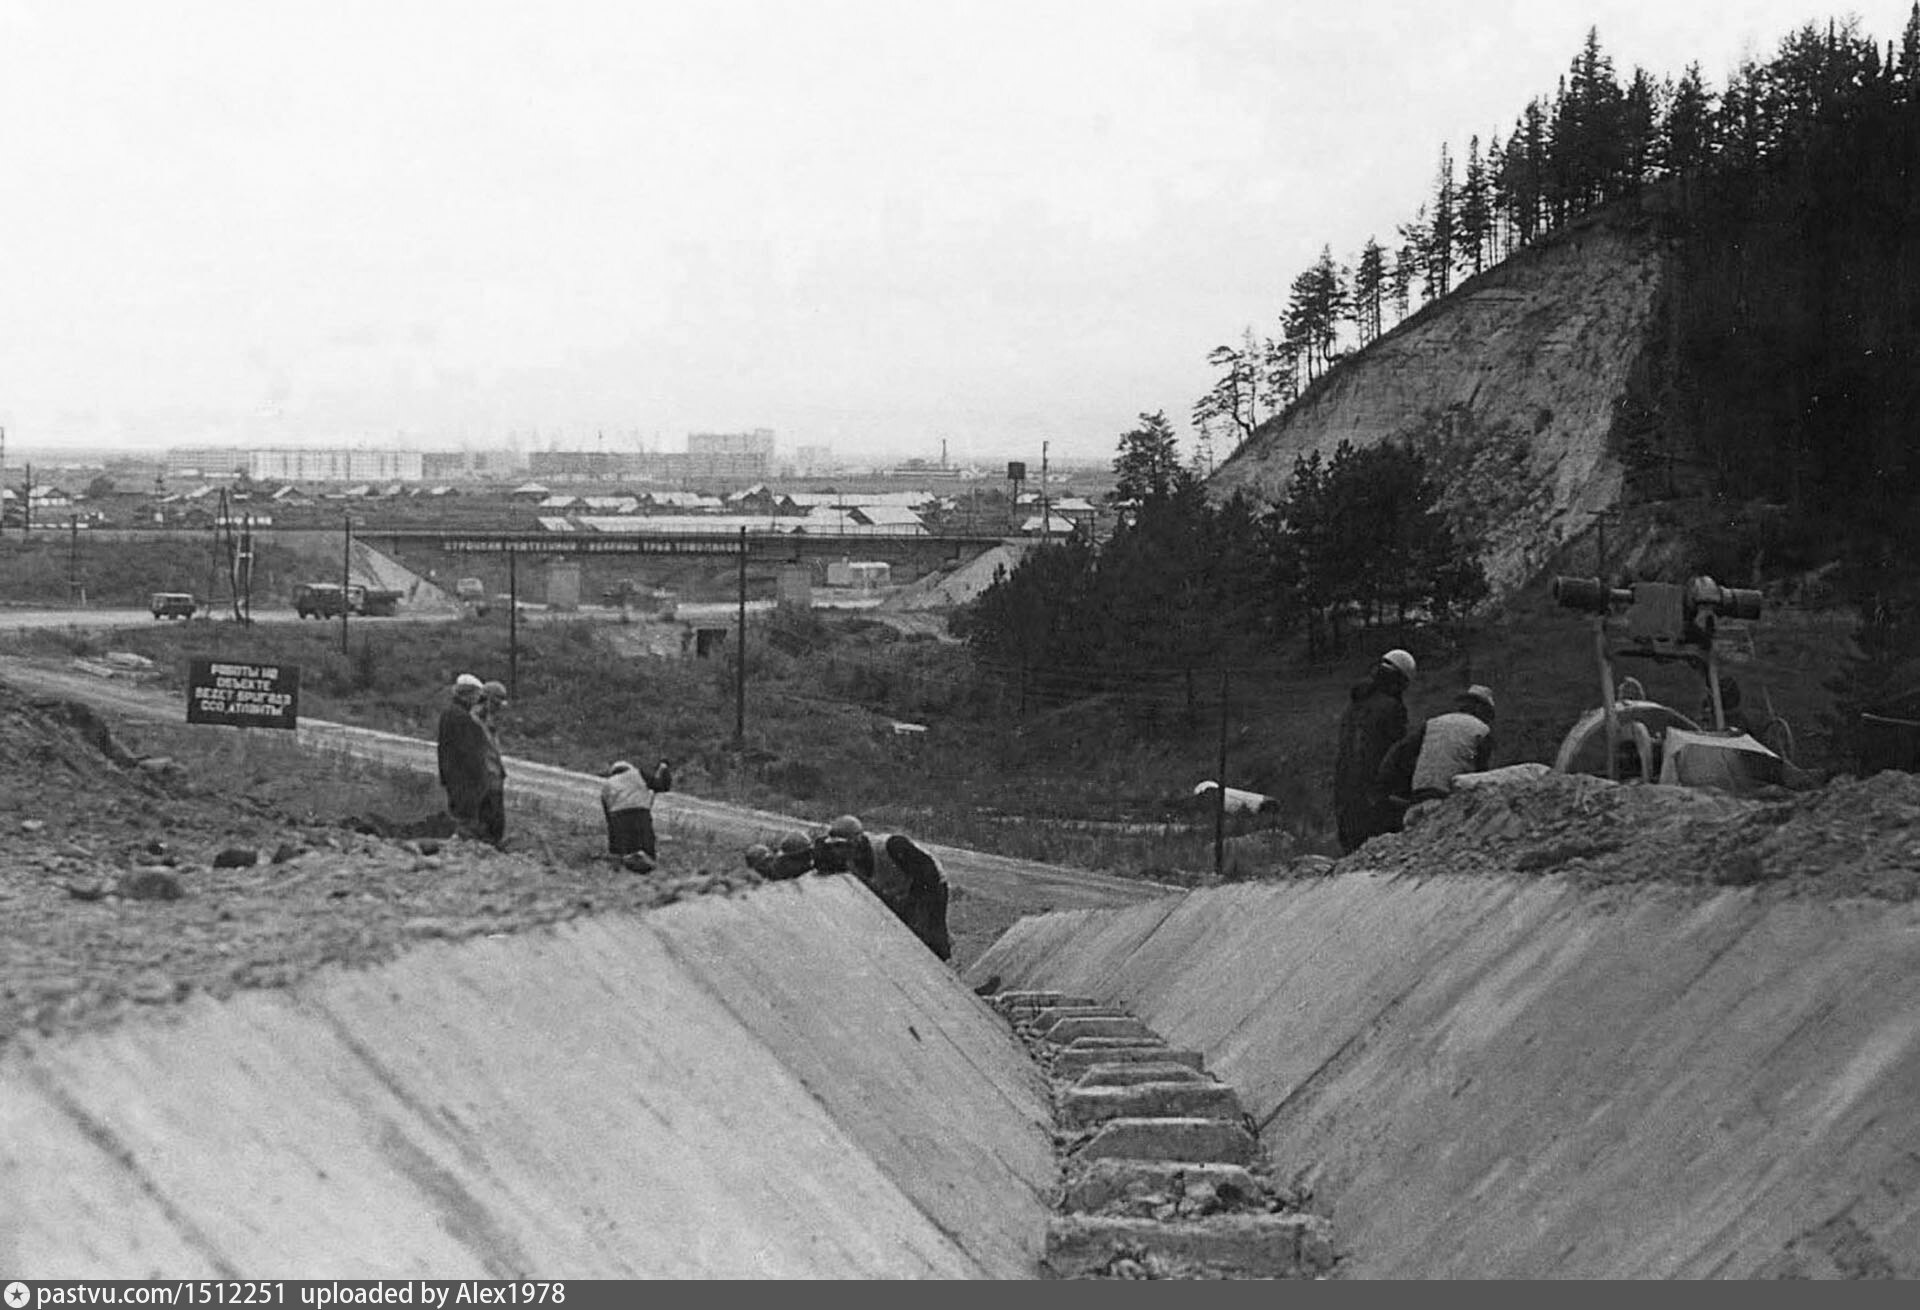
(1401, 661)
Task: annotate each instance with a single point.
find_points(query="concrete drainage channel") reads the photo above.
(1161, 1175)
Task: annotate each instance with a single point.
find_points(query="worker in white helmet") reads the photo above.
(1375, 718)
(463, 744)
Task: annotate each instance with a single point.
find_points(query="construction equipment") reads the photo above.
(1664, 623)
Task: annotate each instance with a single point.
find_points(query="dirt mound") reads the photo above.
(371, 568)
(940, 591)
(131, 879)
(1850, 838)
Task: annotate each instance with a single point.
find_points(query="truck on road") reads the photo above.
(324, 600)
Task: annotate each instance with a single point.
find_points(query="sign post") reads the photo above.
(243, 695)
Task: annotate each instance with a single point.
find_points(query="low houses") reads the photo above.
(866, 520)
(757, 499)
(684, 502)
(1051, 525)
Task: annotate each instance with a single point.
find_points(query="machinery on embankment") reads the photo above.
(1632, 738)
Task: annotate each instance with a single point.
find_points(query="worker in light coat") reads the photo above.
(1423, 764)
(626, 797)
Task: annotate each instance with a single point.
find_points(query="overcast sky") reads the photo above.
(870, 224)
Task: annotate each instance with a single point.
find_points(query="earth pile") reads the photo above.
(1853, 837)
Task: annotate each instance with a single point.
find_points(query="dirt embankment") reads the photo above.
(139, 866)
(1513, 383)
(1850, 838)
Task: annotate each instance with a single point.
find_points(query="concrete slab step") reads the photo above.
(1153, 1071)
(1006, 1002)
(1254, 1246)
(1068, 1031)
(1100, 1184)
(1076, 1061)
(1082, 1107)
(1218, 1140)
(1042, 1021)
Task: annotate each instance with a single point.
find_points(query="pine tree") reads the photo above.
(1588, 137)
(1639, 131)
(1686, 131)
(1147, 466)
(1280, 371)
(1500, 227)
(1476, 209)
(1407, 261)
(1369, 289)
(1528, 158)
(1906, 65)
(1440, 229)
(1315, 307)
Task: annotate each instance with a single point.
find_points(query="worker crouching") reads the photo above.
(626, 796)
(1422, 765)
(906, 878)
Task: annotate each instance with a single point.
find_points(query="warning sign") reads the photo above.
(243, 695)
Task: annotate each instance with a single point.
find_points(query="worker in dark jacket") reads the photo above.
(1375, 718)
(463, 747)
(927, 892)
(906, 878)
(493, 806)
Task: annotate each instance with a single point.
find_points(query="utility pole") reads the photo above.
(1046, 516)
(1220, 790)
(246, 566)
(740, 655)
(213, 559)
(73, 553)
(346, 573)
(26, 504)
(513, 620)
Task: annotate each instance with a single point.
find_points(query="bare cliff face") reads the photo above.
(1515, 386)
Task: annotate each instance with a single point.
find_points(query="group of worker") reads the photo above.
(1383, 769)
(471, 768)
(905, 877)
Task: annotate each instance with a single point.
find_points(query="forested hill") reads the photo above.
(1740, 322)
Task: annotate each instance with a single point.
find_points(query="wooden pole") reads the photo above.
(346, 573)
(246, 565)
(1220, 789)
(740, 655)
(1606, 696)
(513, 621)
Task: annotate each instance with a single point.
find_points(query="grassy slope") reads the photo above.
(821, 698)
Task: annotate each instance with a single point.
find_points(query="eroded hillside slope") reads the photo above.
(1514, 385)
